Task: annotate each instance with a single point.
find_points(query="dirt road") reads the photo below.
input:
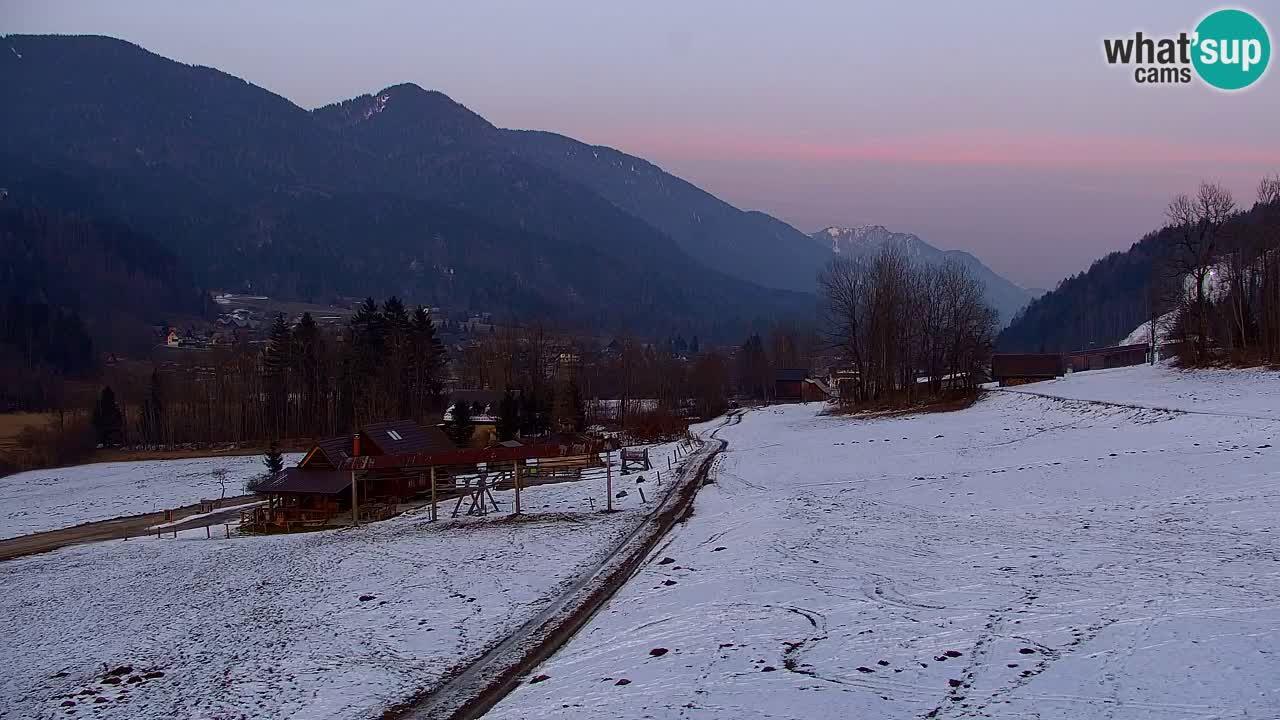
(113, 529)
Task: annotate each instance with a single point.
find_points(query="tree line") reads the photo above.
(1221, 276)
(904, 330)
(302, 382)
(387, 363)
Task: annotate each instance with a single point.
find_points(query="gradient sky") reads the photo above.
(993, 127)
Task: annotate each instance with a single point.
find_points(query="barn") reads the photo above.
(1108, 357)
(793, 385)
(1022, 368)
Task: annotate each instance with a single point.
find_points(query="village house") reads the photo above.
(318, 491)
(386, 467)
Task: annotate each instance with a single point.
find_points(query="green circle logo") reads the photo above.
(1232, 49)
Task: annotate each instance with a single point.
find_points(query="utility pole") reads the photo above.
(608, 480)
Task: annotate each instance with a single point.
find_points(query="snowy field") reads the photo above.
(1024, 558)
(335, 624)
(1246, 393)
(41, 500)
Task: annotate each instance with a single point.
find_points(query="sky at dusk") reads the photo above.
(992, 127)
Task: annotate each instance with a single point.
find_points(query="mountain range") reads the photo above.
(1006, 297)
(401, 191)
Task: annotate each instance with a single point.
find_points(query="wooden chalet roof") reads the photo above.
(305, 480)
(396, 437)
(400, 437)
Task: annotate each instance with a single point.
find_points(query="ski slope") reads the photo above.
(1026, 557)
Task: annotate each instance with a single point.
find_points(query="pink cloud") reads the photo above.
(985, 149)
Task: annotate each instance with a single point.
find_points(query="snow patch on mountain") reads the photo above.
(863, 241)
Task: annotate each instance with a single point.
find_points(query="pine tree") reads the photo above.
(367, 348)
(569, 414)
(508, 416)
(578, 416)
(309, 368)
(427, 363)
(277, 358)
(458, 425)
(153, 411)
(396, 368)
(108, 421)
(273, 460)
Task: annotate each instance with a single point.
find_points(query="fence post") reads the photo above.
(608, 480)
(208, 534)
(515, 471)
(228, 529)
(434, 516)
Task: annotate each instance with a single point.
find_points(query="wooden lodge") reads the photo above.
(374, 473)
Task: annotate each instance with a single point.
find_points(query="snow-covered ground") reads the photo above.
(1253, 393)
(41, 500)
(1026, 557)
(335, 624)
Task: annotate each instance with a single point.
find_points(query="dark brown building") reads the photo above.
(318, 490)
(1022, 368)
(792, 385)
(1108, 357)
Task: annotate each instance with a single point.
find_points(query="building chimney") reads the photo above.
(355, 445)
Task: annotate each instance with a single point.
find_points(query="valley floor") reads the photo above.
(333, 624)
(42, 500)
(1029, 557)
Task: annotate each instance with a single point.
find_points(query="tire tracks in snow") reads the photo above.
(474, 689)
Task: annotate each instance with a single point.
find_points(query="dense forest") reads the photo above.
(388, 363)
(1122, 290)
(405, 192)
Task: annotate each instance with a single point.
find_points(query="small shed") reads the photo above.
(1022, 368)
(791, 385)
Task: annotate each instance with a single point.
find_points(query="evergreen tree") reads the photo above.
(458, 425)
(367, 348)
(535, 419)
(397, 367)
(508, 416)
(153, 411)
(693, 346)
(108, 421)
(309, 368)
(277, 358)
(570, 412)
(427, 364)
(273, 460)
